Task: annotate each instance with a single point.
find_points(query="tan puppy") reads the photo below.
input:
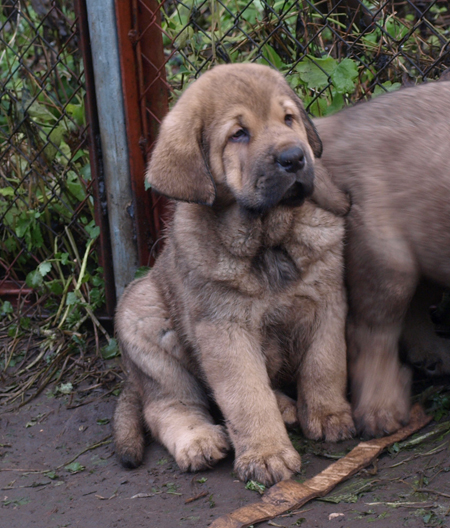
(392, 156)
(247, 294)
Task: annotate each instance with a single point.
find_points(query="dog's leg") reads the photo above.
(288, 409)
(174, 405)
(187, 430)
(242, 390)
(382, 278)
(323, 410)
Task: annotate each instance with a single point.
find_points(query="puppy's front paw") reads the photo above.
(268, 466)
(383, 409)
(201, 448)
(328, 423)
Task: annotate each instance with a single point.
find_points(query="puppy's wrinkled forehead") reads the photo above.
(252, 88)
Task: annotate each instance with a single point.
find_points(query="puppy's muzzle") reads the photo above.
(284, 177)
(291, 159)
(296, 164)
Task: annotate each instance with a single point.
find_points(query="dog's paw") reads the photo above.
(201, 448)
(268, 466)
(288, 409)
(328, 424)
(382, 412)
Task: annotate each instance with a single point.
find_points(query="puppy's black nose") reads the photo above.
(291, 159)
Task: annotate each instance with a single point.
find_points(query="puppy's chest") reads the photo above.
(276, 268)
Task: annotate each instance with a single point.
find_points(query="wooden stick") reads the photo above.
(290, 495)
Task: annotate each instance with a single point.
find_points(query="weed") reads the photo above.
(254, 485)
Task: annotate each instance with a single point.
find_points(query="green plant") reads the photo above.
(329, 58)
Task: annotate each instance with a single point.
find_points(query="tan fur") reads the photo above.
(392, 156)
(247, 294)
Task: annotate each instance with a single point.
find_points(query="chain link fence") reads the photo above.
(332, 51)
(50, 279)
(46, 203)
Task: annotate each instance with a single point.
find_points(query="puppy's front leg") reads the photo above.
(235, 369)
(323, 410)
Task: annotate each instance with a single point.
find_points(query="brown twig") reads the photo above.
(199, 496)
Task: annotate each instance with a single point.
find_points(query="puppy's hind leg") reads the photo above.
(162, 373)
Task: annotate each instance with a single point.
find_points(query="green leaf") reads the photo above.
(271, 58)
(64, 153)
(55, 287)
(77, 112)
(103, 421)
(23, 224)
(7, 191)
(111, 350)
(44, 268)
(86, 171)
(315, 74)
(141, 272)
(34, 279)
(336, 105)
(396, 29)
(343, 76)
(51, 475)
(25, 323)
(74, 186)
(92, 229)
(40, 113)
(57, 134)
(64, 258)
(389, 87)
(318, 107)
(35, 239)
(254, 485)
(75, 467)
(72, 298)
(6, 308)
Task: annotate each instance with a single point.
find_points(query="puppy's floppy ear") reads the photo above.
(313, 136)
(326, 194)
(178, 166)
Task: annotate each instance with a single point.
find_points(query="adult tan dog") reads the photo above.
(392, 156)
(248, 292)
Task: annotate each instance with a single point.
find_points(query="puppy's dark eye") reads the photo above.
(289, 119)
(240, 136)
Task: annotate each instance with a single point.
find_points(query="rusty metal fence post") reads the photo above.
(143, 81)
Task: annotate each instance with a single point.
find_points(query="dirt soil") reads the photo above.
(58, 468)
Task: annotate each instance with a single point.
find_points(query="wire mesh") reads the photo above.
(332, 52)
(46, 204)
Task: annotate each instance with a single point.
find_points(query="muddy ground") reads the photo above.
(58, 469)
